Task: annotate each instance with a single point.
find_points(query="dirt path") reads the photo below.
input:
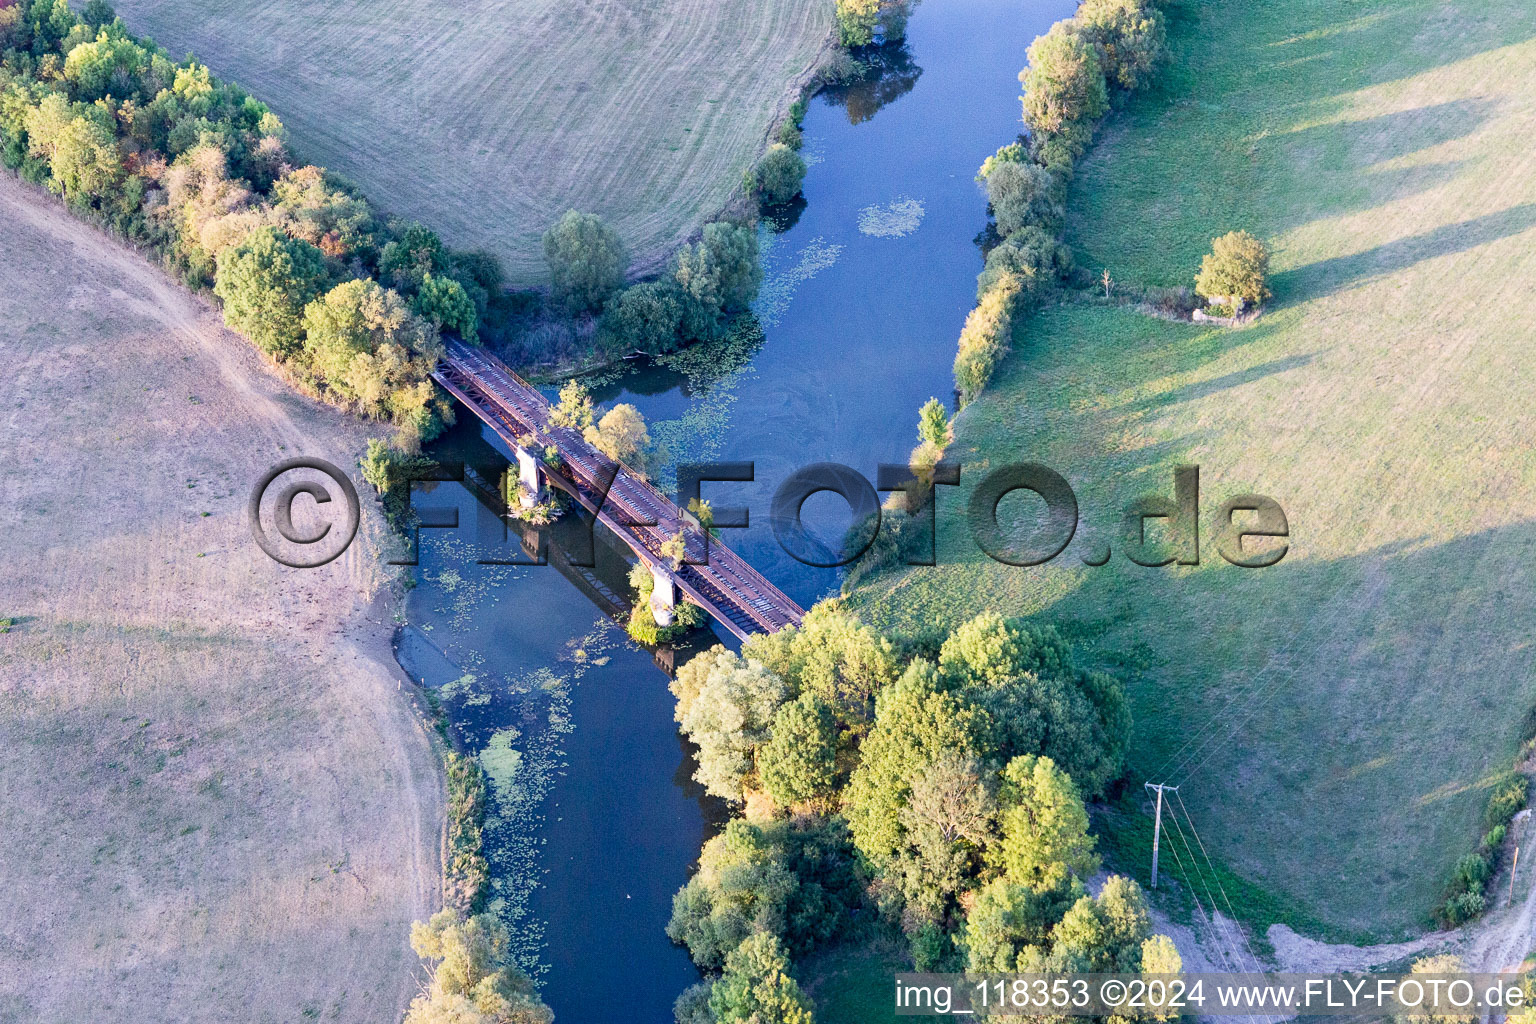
(215, 803)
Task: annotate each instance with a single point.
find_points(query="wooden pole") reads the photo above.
(1512, 869)
(1157, 826)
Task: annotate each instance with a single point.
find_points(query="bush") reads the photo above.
(1024, 195)
(1033, 257)
(646, 318)
(467, 875)
(1063, 84)
(265, 282)
(1234, 270)
(1012, 153)
(986, 337)
(586, 260)
(780, 174)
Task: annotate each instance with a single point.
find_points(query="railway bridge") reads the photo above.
(712, 576)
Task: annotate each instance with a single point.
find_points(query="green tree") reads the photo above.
(857, 21)
(354, 318)
(1105, 933)
(916, 723)
(728, 720)
(1044, 826)
(646, 317)
(1038, 701)
(794, 880)
(1128, 37)
(933, 423)
(1235, 270)
(574, 409)
(1063, 84)
(780, 174)
(1008, 926)
(756, 987)
(719, 276)
(443, 301)
(111, 64)
(415, 252)
(1034, 259)
(471, 981)
(1012, 153)
(834, 656)
(586, 260)
(621, 435)
(265, 283)
(946, 823)
(799, 761)
(1023, 195)
(85, 162)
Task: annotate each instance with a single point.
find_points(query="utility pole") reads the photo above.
(1157, 822)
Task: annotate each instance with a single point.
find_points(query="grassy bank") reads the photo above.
(1364, 693)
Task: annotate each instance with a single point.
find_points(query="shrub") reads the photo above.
(1033, 257)
(780, 174)
(265, 282)
(985, 339)
(1234, 270)
(1012, 153)
(645, 318)
(1063, 83)
(586, 260)
(1023, 195)
(933, 423)
(467, 876)
(574, 409)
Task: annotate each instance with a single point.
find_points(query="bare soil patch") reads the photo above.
(215, 803)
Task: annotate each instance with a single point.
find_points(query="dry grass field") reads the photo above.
(215, 803)
(1361, 694)
(488, 119)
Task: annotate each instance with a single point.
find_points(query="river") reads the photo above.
(596, 821)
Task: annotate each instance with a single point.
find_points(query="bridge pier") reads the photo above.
(528, 474)
(663, 597)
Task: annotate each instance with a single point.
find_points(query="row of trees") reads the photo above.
(1075, 72)
(936, 783)
(195, 169)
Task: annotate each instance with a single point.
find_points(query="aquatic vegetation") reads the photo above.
(896, 219)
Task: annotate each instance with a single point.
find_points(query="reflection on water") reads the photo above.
(867, 282)
(882, 75)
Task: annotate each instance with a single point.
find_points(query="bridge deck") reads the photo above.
(725, 586)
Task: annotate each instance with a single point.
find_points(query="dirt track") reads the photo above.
(215, 802)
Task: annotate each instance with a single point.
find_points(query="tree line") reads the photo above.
(196, 170)
(1075, 72)
(933, 784)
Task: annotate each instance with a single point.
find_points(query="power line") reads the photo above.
(1231, 911)
(1222, 934)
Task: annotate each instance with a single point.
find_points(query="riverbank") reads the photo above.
(1353, 704)
(219, 801)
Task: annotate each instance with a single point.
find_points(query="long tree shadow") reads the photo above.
(1333, 275)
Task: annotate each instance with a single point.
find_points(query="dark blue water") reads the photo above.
(599, 821)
